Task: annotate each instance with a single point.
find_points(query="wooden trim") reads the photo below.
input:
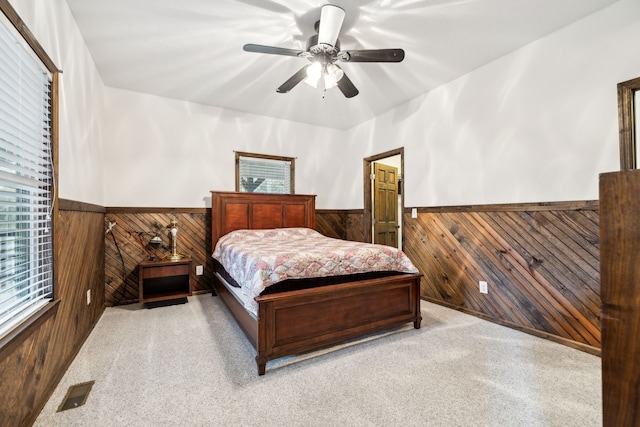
(540, 334)
(263, 156)
(72, 205)
(339, 211)
(136, 210)
(28, 36)
(55, 109)
(10, 342)
(626, 123)
(584, 205)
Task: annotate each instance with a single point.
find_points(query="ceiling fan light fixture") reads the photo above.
(314, 72)
(332, 76)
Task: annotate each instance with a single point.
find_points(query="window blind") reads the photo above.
(26, 183)
(259, 175)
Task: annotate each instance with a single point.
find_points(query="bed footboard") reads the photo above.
(299, 321)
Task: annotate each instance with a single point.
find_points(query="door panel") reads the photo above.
(385, 201)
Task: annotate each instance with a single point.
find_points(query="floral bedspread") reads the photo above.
(257, 259)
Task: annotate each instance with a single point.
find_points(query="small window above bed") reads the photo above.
(261, 173)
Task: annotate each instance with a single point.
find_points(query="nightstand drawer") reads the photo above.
(165, 270)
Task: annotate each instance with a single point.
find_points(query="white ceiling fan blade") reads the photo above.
(331, 18)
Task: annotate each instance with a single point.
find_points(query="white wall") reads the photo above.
(80, 167)
(167, 153)
(539, 124)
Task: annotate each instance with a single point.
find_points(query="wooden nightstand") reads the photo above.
(164, 280)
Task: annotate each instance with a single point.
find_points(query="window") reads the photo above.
(259, 173)
(26, 177)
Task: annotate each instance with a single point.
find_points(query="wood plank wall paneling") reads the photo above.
(541, 262)
(332, 223)
(341, 224)
(355, 225)
(32, 367)
(134, 229)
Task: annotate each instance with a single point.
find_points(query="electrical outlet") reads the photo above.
(483, 287)
(88, 296)
(414, 212)
(199, 270)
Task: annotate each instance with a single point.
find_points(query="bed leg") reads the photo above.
(262, 365)
(416, 323)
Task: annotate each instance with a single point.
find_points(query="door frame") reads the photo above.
(368, 187)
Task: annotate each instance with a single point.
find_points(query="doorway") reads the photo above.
(384, 198)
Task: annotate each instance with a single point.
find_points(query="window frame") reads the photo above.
(291, 161)
(23, 329)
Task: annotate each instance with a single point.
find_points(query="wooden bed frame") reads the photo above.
(294, 322)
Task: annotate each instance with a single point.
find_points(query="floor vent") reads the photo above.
(76, 396)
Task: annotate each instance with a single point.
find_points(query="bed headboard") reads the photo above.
(234, 211)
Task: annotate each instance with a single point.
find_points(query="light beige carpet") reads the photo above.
(190, 365)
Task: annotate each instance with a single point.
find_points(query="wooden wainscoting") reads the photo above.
(32, 364)
(355, 225)
(541, 263)
(332, 223)
(134, 228)
(341, 224)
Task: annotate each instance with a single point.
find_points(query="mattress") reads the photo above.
(258, 259)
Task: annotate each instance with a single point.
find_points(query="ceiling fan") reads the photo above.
(323, 51)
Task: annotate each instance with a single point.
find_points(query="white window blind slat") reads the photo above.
(15, 317)
(21, 208)
(23, 182)
(8, 195)
(24, 242)
(31, 170)
(40, 277)
(9, 156)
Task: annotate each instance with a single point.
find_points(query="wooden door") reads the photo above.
(385, 203)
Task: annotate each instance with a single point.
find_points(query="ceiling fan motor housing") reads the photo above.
(315, 48)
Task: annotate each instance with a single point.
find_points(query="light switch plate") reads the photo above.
(483, 287)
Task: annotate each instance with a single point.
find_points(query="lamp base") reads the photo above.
(174, 257)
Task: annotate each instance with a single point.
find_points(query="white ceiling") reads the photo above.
(192, 49)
